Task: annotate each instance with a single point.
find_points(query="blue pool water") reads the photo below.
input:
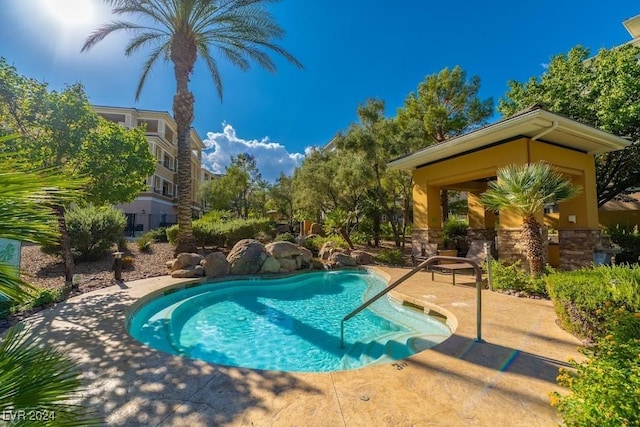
(286, 324)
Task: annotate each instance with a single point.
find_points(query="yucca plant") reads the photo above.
(526, 189)
(32, 377)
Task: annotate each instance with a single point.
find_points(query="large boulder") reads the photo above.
(247, 257)
(362, 257)
(185, 260)
(288, 264)
(343, 259)
(327, 250)
(270, 265)
(306, 255)
(189, 272)
(215, 265)
(282, 249)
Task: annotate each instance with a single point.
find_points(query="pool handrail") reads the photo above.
(476, 268)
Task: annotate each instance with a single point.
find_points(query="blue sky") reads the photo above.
(351, 50)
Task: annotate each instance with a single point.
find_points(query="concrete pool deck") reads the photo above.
(503, 381)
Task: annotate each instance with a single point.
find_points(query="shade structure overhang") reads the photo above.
(535, 123)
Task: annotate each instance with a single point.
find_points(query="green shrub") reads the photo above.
(145, 242)
(628, 238)
(92, 230)
(159, 235)
(122, 243)
(581, 296)
(604, 388)
(285, 237)
(172, 234)
(311, 243)
(360, 238)
(513, 277)
(223, 233)
(455, 230)
(391, 256)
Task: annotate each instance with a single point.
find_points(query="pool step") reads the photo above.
(384, 349)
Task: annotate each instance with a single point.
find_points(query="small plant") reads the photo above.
(604, 388)
(285, 237)
(514, 278)
(455, 231)
(159, 234)
(361, 238)
(127, 263)
(391, 256)
(628, 238)
(145, 242)
(123, 243)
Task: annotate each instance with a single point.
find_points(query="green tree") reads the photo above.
(372, 137)
(241, 189)
(60, 129)
(117, 161)
(326, 181)
(180, 31)
(602, 91)
(33, 377)
(280, 197)
(445, 105)
(526, 189)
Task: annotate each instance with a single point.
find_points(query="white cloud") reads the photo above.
(271, 157)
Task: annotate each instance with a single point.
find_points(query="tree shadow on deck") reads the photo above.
(128, 383)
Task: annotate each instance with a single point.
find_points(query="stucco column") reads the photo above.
(481, 221)
(578, 228)
(427, 215)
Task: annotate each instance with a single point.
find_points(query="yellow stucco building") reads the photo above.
(469, 162)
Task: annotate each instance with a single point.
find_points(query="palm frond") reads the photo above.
(11, 286)
(148, 65)
(42, 379)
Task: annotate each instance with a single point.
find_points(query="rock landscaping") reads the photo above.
(249, 256)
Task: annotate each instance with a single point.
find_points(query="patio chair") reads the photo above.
(476, 253)
(427, 250)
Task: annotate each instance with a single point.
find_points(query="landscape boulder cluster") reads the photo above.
(250, 256)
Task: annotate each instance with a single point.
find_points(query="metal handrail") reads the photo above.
(427, 262)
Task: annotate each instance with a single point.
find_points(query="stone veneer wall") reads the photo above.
(426, 235)
(576, 247)
(481, 234)
(511, 247)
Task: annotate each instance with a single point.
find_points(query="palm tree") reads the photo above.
(526, 189)
(181, 30)
(33, 377)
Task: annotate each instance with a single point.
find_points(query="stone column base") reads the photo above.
(511, 247)
(576, 247)
(422, 236)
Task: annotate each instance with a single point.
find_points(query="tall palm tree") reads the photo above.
(181, 30)
(33, 377)
(526, 189)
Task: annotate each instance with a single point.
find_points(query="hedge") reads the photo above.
(581, 297)
(223, 233)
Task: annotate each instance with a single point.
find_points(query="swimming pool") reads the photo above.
(287, 324)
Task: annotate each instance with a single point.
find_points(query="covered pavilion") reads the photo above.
(468, 162)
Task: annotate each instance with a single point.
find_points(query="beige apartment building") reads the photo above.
(156, 206)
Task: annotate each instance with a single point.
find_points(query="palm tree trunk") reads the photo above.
(183, 55)
(532, 238)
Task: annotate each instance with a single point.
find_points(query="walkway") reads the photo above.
(503, 381)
